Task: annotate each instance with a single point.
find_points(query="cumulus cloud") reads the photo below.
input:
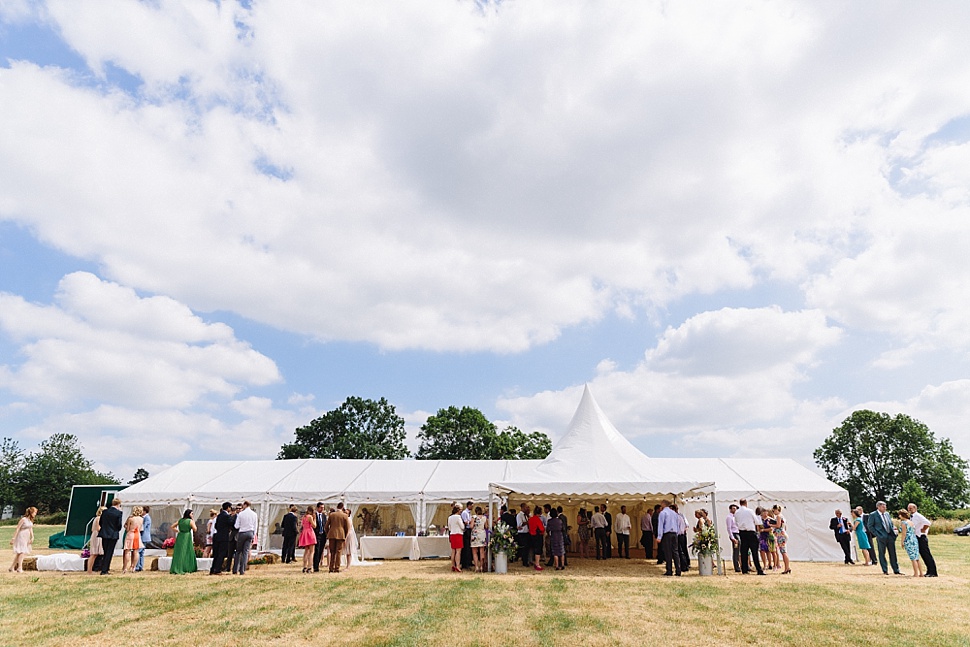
(135, 375)
(944, 407)
(481, 177)
(475, 177)
(719, 377)
(102, 341)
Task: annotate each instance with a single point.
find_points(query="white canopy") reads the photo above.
(591, 461)
(594, 459)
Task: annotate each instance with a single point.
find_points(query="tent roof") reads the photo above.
(593, 458)
(770, 478)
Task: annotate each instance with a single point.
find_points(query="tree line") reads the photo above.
(44, 478)
(363, 428)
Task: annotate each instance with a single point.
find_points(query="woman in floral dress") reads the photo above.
(910, 542)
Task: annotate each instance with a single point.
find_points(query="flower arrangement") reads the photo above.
(169, 543)
(705, 542)
(85, 553)
(503, 540)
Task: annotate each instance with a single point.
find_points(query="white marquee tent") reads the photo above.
(591, 463)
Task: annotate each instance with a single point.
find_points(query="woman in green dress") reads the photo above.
(183, 557)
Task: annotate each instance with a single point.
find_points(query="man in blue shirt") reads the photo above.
(666, 533)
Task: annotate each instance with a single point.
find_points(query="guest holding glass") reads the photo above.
(308, 538)
(132, 540)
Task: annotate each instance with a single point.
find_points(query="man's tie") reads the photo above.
(885, 521)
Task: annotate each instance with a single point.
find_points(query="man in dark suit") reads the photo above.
(881, 527)
(321, 532)
(608, 544)
(840, 526)
(220, 540)
(508, 517)
(110, 533)
(289, 529)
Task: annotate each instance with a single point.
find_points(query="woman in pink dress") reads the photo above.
(308, 539)
(23, 537)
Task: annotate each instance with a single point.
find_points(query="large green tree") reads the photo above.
(872, 455)
(466, 434)
(358, 428)
(49, 473)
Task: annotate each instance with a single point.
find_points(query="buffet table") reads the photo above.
(413, 548)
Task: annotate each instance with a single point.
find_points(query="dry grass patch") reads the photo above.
(403, 603)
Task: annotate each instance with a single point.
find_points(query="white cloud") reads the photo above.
(119, 435)
(136, 376)
(944, 407)
(718, 377)
(471, 178)
(102, 341)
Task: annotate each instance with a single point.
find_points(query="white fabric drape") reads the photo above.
(416, 509)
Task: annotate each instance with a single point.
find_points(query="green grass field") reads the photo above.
(403, 603)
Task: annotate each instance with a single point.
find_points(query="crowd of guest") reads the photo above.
(877, 529)
(759, 537)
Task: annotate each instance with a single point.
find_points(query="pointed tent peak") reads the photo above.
(593, 442)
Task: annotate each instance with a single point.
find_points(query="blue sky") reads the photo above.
(736, 223)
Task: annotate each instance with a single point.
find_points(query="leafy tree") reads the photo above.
(872, 455)
(358, 428)
(48, 474)
(11, 462)
(512, 443)
(466, 434)
(913, 493)
(140, 475)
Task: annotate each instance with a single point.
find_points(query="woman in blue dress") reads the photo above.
(910, 542)
(862, 540)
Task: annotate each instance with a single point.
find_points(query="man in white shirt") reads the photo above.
(246, 522)
(623, 527)
(732, 529)
(667, 527)
(922, 525)
(748, 525)
(598, 523)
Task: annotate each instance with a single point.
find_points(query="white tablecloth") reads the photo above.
(413, 548)
(204, 563)
(60, 562)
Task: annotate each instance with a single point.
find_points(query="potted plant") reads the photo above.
(169, 546)
(503, 546)
(705, 546)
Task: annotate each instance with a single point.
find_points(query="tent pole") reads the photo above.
(720, 560)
